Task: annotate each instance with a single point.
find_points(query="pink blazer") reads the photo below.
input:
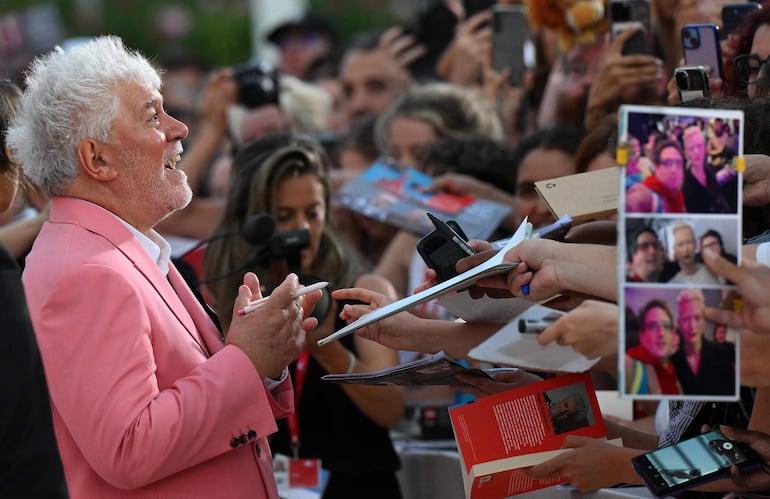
(147, 401)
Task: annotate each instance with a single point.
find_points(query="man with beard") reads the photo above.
(147, 399)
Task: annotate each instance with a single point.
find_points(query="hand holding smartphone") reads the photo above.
(509, 41)
(735, 14)
(631, 14)
(692, 462)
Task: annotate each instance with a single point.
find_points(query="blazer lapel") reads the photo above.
(102, 222)
(205, 327)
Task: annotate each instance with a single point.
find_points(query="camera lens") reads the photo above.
(621, 12)
(257, 84)
(691, 38)
(682, 80)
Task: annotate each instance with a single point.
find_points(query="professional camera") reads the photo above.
(258, 84)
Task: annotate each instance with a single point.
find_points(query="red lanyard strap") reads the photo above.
(300, 372)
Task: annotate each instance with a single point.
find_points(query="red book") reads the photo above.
(500, 436)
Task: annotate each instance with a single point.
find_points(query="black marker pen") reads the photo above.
(450, 234)
(534, 325)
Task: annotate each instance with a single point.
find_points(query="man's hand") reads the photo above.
(272, 336)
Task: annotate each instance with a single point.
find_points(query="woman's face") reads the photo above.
(670, 168)
(539, 164)
(407, 137)
(299, 204)
(760, 46)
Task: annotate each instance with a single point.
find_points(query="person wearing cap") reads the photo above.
(301, 41)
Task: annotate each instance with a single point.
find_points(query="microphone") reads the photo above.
(256, 230)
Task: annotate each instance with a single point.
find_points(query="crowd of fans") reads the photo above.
(283, 140)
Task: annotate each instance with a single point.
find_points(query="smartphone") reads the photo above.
(473, 7)
(434, 29)
(510, 34)
(735, 14)
(684, 465)
(692, 82)
(700, 43)
(625, 14)
(442, 248)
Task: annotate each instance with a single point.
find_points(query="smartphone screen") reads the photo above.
(509, 41)
(691, 462)
(700, 43)
(626, 14)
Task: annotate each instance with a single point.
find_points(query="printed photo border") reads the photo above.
(659, 241)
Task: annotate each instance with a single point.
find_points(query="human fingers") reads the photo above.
(554, 332)
(476, 21)
(430, 281)
(401, 46)
(673, 98)
(474, 260)
(616, 45)
(721, 267)
(551, 468)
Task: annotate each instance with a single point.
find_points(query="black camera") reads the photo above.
(692, 82)
(258, 84)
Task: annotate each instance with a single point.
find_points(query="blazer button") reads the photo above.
(234, 442)
(252, 434)
(243, 439)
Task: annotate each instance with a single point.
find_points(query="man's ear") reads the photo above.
(94, 158)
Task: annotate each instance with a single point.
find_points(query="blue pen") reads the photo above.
(527, 235)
